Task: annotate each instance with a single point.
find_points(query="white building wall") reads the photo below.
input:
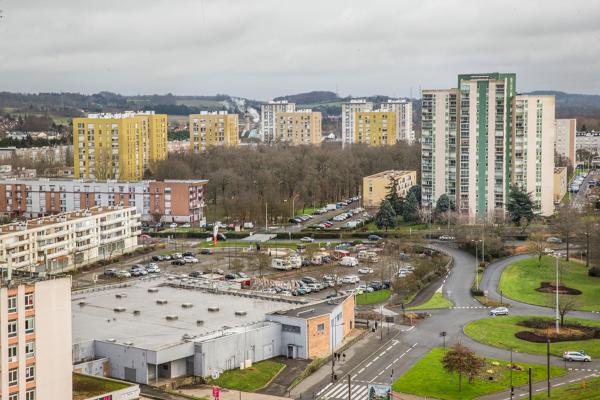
(349, 111)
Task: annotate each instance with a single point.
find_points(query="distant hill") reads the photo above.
(584, 107)
(310, 97)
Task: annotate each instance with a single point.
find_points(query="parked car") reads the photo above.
(243, 275)
(218, 271)
(307, 239)
(153, 270)
(188, 254)
(387, 284)
(364, 288)
(365, 270)
(374, 238)
(157, 258)
(206, 251)
(181, 261)
(173, 225)
(190, 260)
(111, 272)
(376, 285)
(122, 274)
(309, 279)
(195, 274)
(446, 237)
(554, 240)
(349, 279)
(576, 356)
(186, 225)
(499, 311)
(230, 277)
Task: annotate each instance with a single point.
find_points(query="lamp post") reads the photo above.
(556, 290)
(476, 263)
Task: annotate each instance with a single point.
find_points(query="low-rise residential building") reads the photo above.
(8, 172)
(156, 201)
(589, 141)
(213, 129)
(57, 154)
(404, 118)
(35, 331)
(375, 128)
(68, 240)
(377, 186)
(298, 127)
(564, 145)
(349, 110)
(560, 183)
(268, 114)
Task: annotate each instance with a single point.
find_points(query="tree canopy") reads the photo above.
(393, 197)
(386, 216)
(463, 361)
(520, 206)
(410, 212)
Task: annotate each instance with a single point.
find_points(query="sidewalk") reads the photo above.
(227, 394)
(354, 356)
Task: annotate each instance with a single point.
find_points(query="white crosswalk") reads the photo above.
(340, 391)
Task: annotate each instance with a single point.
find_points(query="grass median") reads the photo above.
(376, 297)
(249, 379)
(500, 332)
(427, 378)
(436, 301)
(520, 280)
(588, 389)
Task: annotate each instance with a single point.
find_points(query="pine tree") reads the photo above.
(520, 206)
(386, 216)
(393, 197)
(410, 213)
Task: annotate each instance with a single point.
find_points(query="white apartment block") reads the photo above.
(65, 241)
(565, 138)
(533, 149)
(349, 111)
(35, 337)
(589, 141)
(268, 113)
(404, 118)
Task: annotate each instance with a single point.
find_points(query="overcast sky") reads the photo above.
(266, 48)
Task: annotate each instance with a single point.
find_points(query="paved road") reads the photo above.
(402, 350)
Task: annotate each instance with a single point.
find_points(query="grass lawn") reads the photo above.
(249, 379)
(575, 391)
(436, 301)
(519, 281)
(375, 297)
(85, 386)
(428, 378)
(500, 332)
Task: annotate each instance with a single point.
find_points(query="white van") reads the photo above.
(248, 225)
(317, 259)
(349, 261)
(281, 264)
(369, 256)
(295, 261)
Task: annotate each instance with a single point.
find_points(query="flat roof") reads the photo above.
(390, 172)
(97, 320)
(312, 310)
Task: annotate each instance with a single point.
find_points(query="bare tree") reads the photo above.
(537, 245)
(103, 168)
(566, 304)
(463, 361)
(566, 223)
(588, 227)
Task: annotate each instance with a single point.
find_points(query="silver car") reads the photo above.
(576, 356)
(498, 311)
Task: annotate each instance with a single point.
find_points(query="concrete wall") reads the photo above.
(299, 340)
(122, 357)
(83, 351)
(99, 367)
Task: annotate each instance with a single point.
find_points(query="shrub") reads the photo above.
(594, 271)
(476, 292)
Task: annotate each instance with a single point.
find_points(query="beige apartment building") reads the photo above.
(375, 128)
(376, 187)
(560, 183)
(404, 118)
(298, 127)
(533, 136)
(349, 110)
(35, 337)
(268, 115)
(566, 129)
(69, 240)
(213, 129)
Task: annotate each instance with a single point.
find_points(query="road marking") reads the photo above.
(369, 364)
(389, 348)
(382, 353)
(376, 358)
(558, 384)
(324, 389)
(361, 371)
(355, 375)
(573, 380)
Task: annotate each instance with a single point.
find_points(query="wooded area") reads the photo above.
(242, 179)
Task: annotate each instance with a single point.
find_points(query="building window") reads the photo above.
(12, 328)
(29, 373)
(321, 328)
(29, 301)
(12, 304)
(12, 353)
(290, 328)
(30, 349)
(30, 394)
(29, 325)
(13, 377)
(14, 396)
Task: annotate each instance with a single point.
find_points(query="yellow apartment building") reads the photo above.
(560, 183)
(213, 129)
(375, 128)
(298, 127)
(118, 146)
(376, 187)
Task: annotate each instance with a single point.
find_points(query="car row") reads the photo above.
(300, 218)
(335, 206)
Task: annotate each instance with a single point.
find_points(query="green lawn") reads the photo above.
(500, 332)
(436, 301)
(519, 281)
(575, 391)
(375, 297)
(86, 386)
(427, 378)
(249, 379)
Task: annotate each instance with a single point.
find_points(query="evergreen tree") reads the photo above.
(416, 190)
(410, 213)
(520, 206)
(386, 216)
(393, 197)
(443, 204)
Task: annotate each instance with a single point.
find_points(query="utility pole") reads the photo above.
(557, 313)
(512, 389)
(530, 388)
(266, 219)
(548, 363)
(349, 388)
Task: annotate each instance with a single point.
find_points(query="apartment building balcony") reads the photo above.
(86, 236)
(56, 254)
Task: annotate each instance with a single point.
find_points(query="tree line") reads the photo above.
(244, 181)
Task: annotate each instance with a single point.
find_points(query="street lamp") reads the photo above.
(556, 290)
(333, 328)
(476, 262)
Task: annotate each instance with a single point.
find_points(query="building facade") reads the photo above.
(298, 127)
(377, 186)
(532, 146)
(560, 183)
(589, 141)
(35, 322)
(375, 128)
(349, 111)
(156, 201)
(213, 129)
(268, 114)
(404, 118)
(118, 146)
(565, 138)
(69, 240)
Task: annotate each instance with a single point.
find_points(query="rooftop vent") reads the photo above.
(240, 313)
(82, 303)
(119, 309)
(171, 317)
(111, 340)
(128, 343)
(136, 312)
(121, 295)
(161, 301)
(187, 305)
(199, 322)
(213, 309)
(153, 290)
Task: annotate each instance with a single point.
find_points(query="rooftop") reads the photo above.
(390, 172)
(92, 181)
(312, 310)
(143, 322)
(124, 114)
